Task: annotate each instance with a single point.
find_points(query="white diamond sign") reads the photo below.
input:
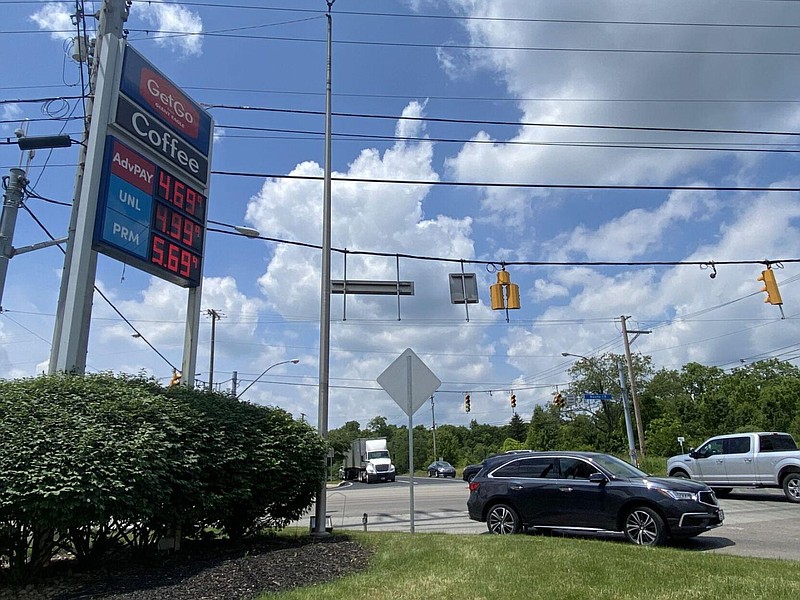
(409, 381)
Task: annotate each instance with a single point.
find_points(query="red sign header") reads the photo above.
(169, 102)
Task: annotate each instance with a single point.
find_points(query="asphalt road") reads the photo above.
(759, 523)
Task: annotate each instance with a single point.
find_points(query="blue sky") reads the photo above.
(444, 91)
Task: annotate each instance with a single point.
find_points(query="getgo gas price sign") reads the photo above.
(150, 218)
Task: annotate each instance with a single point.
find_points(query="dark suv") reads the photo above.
(590, 492)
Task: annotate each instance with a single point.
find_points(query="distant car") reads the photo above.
(588, 491)
(441, 468)
(470, 471)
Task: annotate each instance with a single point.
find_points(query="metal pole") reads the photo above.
(325, 288)
(410, 445)
(637, 413)
(214, 316)
(12, 200)
(433, 419)
(74, 309)
(234, 383)
(627, 408)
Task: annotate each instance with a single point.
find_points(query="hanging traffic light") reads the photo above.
(504, 294)
(558, 400)
(176, 377)
(513, 400)
(466, 402)
(770, 286)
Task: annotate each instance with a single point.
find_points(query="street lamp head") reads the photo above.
(247, 231)
(294, 361)
(565, 354)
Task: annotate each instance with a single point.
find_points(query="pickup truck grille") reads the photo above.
(707, 498)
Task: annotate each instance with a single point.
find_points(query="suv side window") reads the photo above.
(572, 468)
(537, 468)
(510, 469)
(737, 445)
(712, 448)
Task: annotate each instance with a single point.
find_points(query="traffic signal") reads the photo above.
(558, 400)
(466, 402)
(504, 294)
(513, 401)
(770, 286)
(176, 377)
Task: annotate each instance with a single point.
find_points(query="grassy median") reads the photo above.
(433, 566)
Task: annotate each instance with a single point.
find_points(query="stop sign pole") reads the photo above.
(410, 383)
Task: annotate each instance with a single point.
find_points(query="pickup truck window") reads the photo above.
(712, 448)
(776, 443)
(737, 445)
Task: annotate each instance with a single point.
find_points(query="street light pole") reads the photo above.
(294, 361)
(325, 290)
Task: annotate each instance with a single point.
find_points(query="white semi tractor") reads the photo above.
(368, 461)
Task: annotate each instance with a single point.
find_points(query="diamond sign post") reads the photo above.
(410, 383)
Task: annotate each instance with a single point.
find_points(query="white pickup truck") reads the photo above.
(764, 459)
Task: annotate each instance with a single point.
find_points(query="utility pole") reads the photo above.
(627, 408)
(636, 410)
(12, 200)
(215, 315)
(234, 383)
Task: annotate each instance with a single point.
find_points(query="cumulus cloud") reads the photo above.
(55, 17)
(176, 26)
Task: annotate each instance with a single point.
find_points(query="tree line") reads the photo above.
(694, 402)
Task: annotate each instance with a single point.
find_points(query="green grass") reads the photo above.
(433, 566)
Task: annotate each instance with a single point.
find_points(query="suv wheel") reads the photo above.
(645, 527)
(502, 519)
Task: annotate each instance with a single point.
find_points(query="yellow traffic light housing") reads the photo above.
(770, 286)
(504, 294)
(176, 378)
(513, 401)
(558, 400)
(466, 402)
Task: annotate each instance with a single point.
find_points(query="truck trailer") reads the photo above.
(368, 461)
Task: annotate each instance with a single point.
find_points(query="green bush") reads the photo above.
(89, 460)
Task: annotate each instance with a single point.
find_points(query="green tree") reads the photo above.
(543, 431)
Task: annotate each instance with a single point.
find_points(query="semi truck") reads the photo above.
(368, 461)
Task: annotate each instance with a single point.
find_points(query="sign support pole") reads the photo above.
(410, 401)
(76, 308)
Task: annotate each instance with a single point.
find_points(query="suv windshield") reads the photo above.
(618, 467)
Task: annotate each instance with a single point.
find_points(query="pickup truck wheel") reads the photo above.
(644, 527)
(680, 475)
(502, 519)
(791, 487)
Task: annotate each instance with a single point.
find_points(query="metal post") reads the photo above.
(191, 333)
(234, 383)
(325, 287)
(214, 316)
(433, 419)
(74, 310)
(636, 411)
(12, 200)
(409, 401)
(627, 409)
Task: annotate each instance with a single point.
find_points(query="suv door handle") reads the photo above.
(565, 489)
(515, 487)
(748, 460)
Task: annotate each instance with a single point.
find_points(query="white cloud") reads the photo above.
(55, 17)
(176, 26)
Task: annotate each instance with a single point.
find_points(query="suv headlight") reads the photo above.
(676, 495)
